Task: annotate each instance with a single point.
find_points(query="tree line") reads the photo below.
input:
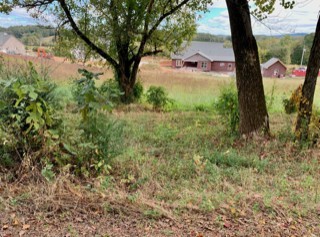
(30, 35)
(288, 48)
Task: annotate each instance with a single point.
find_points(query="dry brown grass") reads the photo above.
(59, 69)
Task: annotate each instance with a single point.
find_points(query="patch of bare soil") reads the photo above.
(66, 207)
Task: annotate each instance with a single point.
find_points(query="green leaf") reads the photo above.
(33, 95)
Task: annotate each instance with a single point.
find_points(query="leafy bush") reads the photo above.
(111, 90)
(291, 105)
(138, 90)
(100, 137)
(158, 97)
(88, 96)
(27, 111)
(100, 141)
(227, 106)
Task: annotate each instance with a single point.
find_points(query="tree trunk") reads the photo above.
(252, 104)
(308, 89)
(125, 86)
(126, 75)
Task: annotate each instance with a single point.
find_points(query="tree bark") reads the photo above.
(308, 89)
(123, 77)
(252, 104)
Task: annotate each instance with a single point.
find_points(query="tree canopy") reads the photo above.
(121, 31)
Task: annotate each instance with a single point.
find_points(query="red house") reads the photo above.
(205, 56)
(273, 68)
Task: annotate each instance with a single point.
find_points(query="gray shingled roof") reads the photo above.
(3, 38)
(210, 50)
(270, 62)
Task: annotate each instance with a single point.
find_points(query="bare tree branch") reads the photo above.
(84, 37)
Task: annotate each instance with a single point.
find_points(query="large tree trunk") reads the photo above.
(308, 89)
(125, 86)
(126, 75)
(252, 105)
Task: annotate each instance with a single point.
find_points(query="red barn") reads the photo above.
(273, 68)
(205, 56)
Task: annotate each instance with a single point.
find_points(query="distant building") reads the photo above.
(205, 56)
(11, 45)
(273, 68)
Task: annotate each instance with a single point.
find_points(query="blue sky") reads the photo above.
(16, 17)
(302, 19)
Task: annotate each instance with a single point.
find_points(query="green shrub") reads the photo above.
(289, 106)
(100, 137)
(227, 106)
(91, 99)
(138, 90)
(158, 97)
(111, 90)
(101, 140)
(27, 111)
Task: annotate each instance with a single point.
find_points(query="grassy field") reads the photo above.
(180, 173)
(193, 88)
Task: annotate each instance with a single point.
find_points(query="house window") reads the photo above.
(230, 66)
(222, 64)
(204, 65)
(178, 63)
(276, 72)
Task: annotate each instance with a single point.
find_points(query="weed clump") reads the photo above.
(158, 97)
(28, 112)
(138, 91)
(227, 106)
(291, 105)
(234, 160)
(100, 136)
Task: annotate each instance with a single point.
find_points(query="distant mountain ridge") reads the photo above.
(282, 35)
(220, 38)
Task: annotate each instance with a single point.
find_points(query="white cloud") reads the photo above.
(20, 16)
(218, 4)
(301, 19)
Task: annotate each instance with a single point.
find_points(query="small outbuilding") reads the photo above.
(11, 45)
(273, 68)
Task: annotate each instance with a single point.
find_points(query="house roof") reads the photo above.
(270, 62)
(4, 38)
(210, 50)
(199, 53)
